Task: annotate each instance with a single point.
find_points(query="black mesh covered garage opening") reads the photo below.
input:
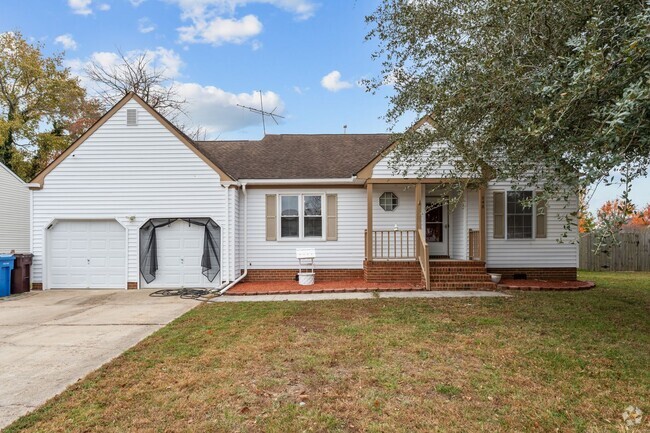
(210, 259)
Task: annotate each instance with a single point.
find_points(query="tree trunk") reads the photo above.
(7, 150)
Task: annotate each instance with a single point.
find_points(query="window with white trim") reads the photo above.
(289, 216)
(312, 216)
(519, 214)
(388, 201)
(301, 216)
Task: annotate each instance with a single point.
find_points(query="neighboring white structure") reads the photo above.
(14, 213)
(93, 209)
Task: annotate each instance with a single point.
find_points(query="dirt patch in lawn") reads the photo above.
(538, 361)
(557, 285)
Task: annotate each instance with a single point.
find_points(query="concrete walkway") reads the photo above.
(361, 295)
(49, 340)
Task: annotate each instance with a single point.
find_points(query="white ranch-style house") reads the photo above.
(134, 203)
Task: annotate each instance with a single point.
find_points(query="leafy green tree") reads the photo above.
(39, 99)
(552, 93)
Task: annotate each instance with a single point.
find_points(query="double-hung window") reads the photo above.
(290, 216)
(519, 220)
(301, 216)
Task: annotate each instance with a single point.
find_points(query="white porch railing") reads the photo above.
(422, 254)
(393, 244)
(474, 245)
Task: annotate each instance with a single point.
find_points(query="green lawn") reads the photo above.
(538, 361)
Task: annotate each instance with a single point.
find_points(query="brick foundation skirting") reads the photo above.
(392, 272)
(289, 274)
(37, 286)
(131, 285)
(569, 274)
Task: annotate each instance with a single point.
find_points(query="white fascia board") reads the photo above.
(327, 181)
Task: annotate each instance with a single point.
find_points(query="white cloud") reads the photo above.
(80, 7)
(145, 25)
(212, 108)
(83, 7)
(136, 3)
(220, 30)
(160, 58)
(300, 90)
(216, 109)
(67, 41)
(256, 45)
(215, 21)
(301, 9)
(333, 82)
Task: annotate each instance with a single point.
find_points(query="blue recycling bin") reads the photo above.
(6, 266)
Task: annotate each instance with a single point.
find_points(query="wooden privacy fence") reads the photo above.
(631, 253)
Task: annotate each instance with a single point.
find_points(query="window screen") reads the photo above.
(520, 215)
(289, 217)
(313, 216)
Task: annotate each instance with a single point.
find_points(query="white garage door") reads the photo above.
(87, 254)
(180, 248)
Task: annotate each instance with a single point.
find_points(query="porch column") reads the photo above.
(482, 226)
(418, 206)
(369, 222)
(418, 216)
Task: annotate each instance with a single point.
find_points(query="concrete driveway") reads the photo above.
(49, 340)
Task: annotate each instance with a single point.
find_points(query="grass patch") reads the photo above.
(539, 361)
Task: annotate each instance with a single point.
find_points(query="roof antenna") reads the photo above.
(261, 111)
(345, 129)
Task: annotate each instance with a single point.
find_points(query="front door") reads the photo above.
(436, 227)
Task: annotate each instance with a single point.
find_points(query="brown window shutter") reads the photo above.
(498, 208)
(540, 223)
(332, 217)
(271, 217)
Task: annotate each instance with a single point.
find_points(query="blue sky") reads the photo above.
(306, 56)
(283, 47)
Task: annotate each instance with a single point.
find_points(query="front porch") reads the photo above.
(414, 232)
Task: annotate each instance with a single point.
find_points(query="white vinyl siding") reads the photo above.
(14, 213)
(131, 174)
(536, 253)
(346, 252)
(386, 169)
(403, 215)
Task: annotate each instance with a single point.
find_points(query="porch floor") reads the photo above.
(288, 287)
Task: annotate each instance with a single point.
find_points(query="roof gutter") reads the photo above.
(320, 181)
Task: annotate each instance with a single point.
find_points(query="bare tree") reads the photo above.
(137, 73)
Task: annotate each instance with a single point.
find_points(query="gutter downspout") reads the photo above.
(242, 276)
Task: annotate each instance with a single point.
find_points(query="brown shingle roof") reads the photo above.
(296, 156)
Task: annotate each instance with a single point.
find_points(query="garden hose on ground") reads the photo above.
(183, 293)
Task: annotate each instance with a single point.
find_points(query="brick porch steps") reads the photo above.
(464, 285)
(459, 275)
